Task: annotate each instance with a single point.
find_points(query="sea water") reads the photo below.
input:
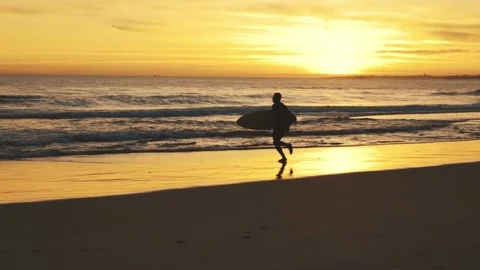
(42, 116)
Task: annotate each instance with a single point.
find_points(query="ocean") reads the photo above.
(45, 116)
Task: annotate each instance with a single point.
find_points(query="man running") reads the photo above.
(282, 119)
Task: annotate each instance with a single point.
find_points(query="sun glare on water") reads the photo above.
(336, 47)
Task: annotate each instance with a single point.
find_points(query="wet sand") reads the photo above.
(94, 176)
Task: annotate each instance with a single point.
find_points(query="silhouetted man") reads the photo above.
(282, 119)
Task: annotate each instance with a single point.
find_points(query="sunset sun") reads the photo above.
(336, 47)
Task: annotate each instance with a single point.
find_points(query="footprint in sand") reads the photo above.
(438, 267)
(421, 254)
(248, 234)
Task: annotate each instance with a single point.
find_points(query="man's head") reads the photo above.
(276, 97)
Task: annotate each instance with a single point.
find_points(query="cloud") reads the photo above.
(59, 9)
(333, 10)
(422, 52)
(409, 58)
(386, 16)
(456, 35)
(129, 28)
(134, 25)
(85, 8)
(453, 25)
(129, 21)
(448, 30)
(291, 9)
(22, 10)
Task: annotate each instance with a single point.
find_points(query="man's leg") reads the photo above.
(288, 145)
(277, 137)
(279, 133)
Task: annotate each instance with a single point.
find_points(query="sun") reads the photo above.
(335, 47)
(333, 62)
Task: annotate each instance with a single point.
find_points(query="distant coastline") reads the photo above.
(452, 77)
(307, 76)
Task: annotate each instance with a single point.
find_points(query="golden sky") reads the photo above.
(240, 38)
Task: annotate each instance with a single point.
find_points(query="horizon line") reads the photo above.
(318, 76)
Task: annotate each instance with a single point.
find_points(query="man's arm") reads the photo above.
(293, 116)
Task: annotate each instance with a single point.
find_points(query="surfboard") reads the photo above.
(260, 120)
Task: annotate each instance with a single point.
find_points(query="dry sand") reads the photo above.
(422, 218)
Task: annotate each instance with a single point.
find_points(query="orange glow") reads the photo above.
(337, 47)
(249, 38)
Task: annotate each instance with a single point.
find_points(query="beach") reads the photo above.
(409, 215)
(144, 134)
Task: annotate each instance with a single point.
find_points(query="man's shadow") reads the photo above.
(280, 172)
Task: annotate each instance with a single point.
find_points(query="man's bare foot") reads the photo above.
(290, 149)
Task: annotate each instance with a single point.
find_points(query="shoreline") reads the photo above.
(40, 158)
(103, 175)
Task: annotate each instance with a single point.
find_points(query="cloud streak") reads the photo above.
(129, 21)
(84, 9)
(440, 26)
(134, 25)
(456, 35)
(129, 28)
(423, 52)
(58, 9)
(22, 10)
